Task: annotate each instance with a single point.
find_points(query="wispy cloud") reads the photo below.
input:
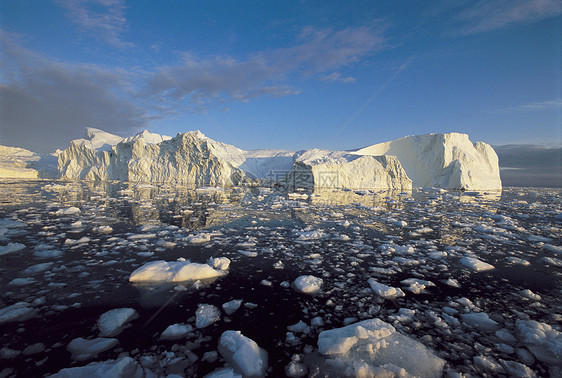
(44, 102)
(319, 53)
(488, 15)
(102, 18)
(536, 106)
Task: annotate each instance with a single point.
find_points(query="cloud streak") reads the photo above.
(44, 102)
(489, 15)
(319, 54)
(102, 18)
(538, 106)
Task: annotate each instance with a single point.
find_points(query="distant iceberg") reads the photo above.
(447, 161)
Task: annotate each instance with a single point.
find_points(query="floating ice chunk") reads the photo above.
(528, 294)
(173, 271)
(176, 331)
(82, 240)
(245, 356)
(516, 369)
(19, 311)
(415, 285)
(488, 364)
(382, 290)
(10, 248)
(68, 211)
(300, 327)
(121, 368)
(47, 253)
(199, 238)
(553, 248)
(518, 261)
(232, 306)
(220, 263)
(112, 322)
(248, 253)
(310, 235)
(308, 284)
(542, 340)
(22, 281)
(480, 321)
(475, 264)
(377, 344)
(224, 373)
(103, 229)
(38, 268)
(552, 261)
(206, 314)
(141, 236)
(83, 349)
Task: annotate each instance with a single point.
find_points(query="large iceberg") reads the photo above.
(24, 164)
(448, 161)
(371, 348)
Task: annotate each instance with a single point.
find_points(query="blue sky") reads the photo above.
(271, 74)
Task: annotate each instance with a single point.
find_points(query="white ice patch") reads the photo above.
(68, 211)
(475, 264)
(173, 271)
(206, 314)
(83, 349)
(19, 311)
(308, 284)
(382, 290)
(376, 343)
(542, 340)
(176, 331)
(480, 321)
(220, 263)
(11, 248)
(123, 367)
(243, 354)
(112, 322)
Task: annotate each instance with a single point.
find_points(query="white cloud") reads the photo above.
(102, 18)
(488, 15)
(266, 73)
(535, 106)
(45, 103)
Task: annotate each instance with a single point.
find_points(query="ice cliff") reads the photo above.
(449, 161)
(20, 163)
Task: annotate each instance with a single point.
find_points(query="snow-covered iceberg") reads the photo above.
(335, 169)
(448, 161)
(21, 163)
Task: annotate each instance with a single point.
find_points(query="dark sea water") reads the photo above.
(271, 238)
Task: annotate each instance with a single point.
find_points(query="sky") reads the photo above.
(281, 74)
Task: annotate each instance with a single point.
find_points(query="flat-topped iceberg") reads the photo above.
(173, 271)
(373, 347)
(448, 161)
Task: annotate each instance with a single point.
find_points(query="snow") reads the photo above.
(83, 349)
(475, 264)
(245, 356)
(206, 314)
(308, 284)
(112, 322)
(124, 367)
(376, 343)
(173, 271)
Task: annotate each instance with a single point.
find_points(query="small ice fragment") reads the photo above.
(245, 356)
(206, 314)
(83, 349)
(475, 264)
(387, 292)
(176, 331)
(308, 284)
(480, 321)
(231, 306)
(112, 322)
